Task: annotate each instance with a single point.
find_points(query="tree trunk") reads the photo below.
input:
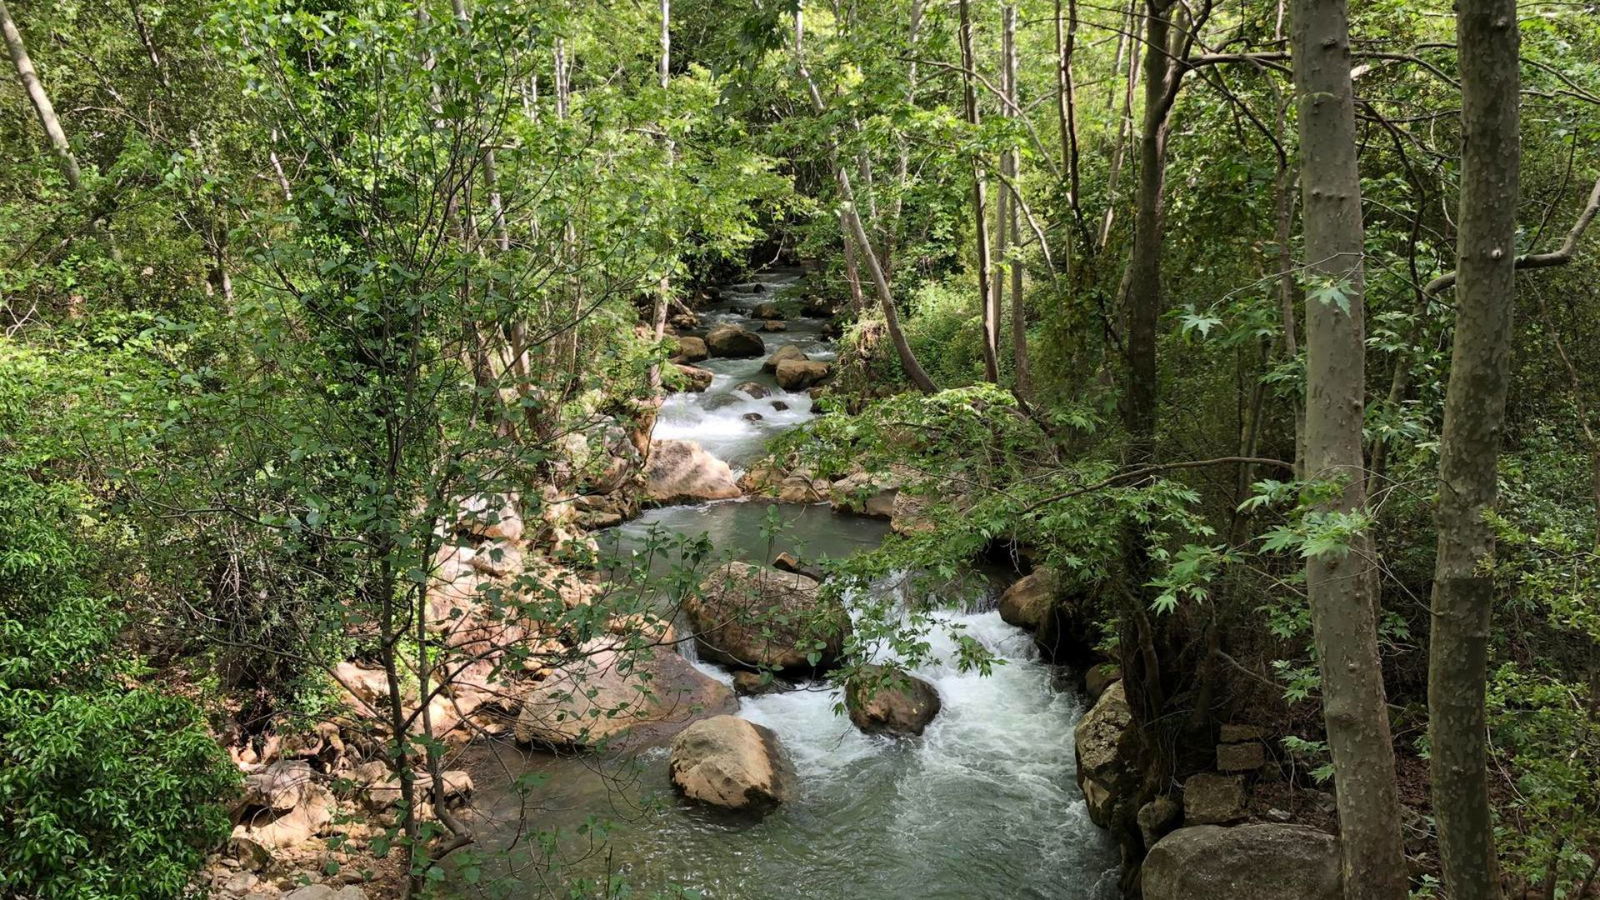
(658, 312)
(1342, 587)
(1012, 219)
(1143, 287)
(1469, 446)
(40, 101)
(852, 218)
(987, 304)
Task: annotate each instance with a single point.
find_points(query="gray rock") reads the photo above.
(1157, 818)
(1250, 862)
(1241, 757)
(1107, 750)
(1213, 799)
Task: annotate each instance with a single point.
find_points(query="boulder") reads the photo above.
(1213, 799)
(755, 389)
(797, 375)
(733, 341)
(732, 763)
(691, 349)
(754, 684)
(786, 353)
(1246, 757)
(799, 487)
(490, 517)
(681, 472)
(1258, 862)
(752, 417)
(1158, 818)
(695, 379)
(326, 892)
(1238, 734)
(1026, 604)
(611, 691)
(276, 829)
(767, 309)
(753, 617)
(774, 325)
(1107, 748)
(864, 494)
(884, 701)
(1100, 676)
(780, 406)
(908, 515)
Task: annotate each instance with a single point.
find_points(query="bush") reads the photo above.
(107, 788)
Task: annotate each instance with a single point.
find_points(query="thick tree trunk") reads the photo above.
(1143, 288)
(1342, 587)
(987, 303)
(40, 100)
(1469, 446)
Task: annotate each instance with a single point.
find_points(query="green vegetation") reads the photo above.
(1285, 371)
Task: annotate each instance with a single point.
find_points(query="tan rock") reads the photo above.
(690, 350)
(732, 763)
(749, 616)
(681, 472)
(786, 353)
(1213, 799)
(1026, 604)
(1249, 862)
(882, 701)
(797, 375)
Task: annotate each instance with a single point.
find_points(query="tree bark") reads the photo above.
(1143, 288)
(1012, 218)
(658, 312)
(41, 101)
(986, 299)
(1469, 446)
(1342, 587)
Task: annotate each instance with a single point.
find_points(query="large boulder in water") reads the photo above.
(681, 472)
(690, 350)
(1026, 604)
(611, 691)
(753, 617)
(767, 309)
(795, 375)
(694, 378)
(1258, 862)
(732, 763)
(733, 341)
(1108, 753)
(786, 353)
(884, 701)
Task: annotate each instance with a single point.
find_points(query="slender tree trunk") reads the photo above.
(1124, 123)
(1469, 446)
(1343, 587)
(986, 302)
(1067, 105)
(41, 101)
(852, 217)
(1012, 218)
(658, 313)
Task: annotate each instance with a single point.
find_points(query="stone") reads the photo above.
(1241, 757)
(780, 406)
(690, 350)
(732, 763)
(384, 791)
(735, 342)
(280, 786)
(1107, 750)
(1238, 734)
(797, 375)
(883, 701)
(909, 515)
(799, 487)
(774, 325)
(490, 517)
(767, 309)
(695, 379)
(752, 417)
(1258, 862)
(681, 472)
(275, 830)
(1099, 677)
(611, 692)
(1026, 604)
(1157, 818)
(786, 562)
(1213, 799)
(864, 494)
(785, 353)
(755, 390)
(755, 684)
(325, 892)
(753, 617)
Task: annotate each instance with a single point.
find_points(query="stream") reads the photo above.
(983, 805)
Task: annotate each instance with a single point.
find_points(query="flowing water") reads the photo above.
(983, 805)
